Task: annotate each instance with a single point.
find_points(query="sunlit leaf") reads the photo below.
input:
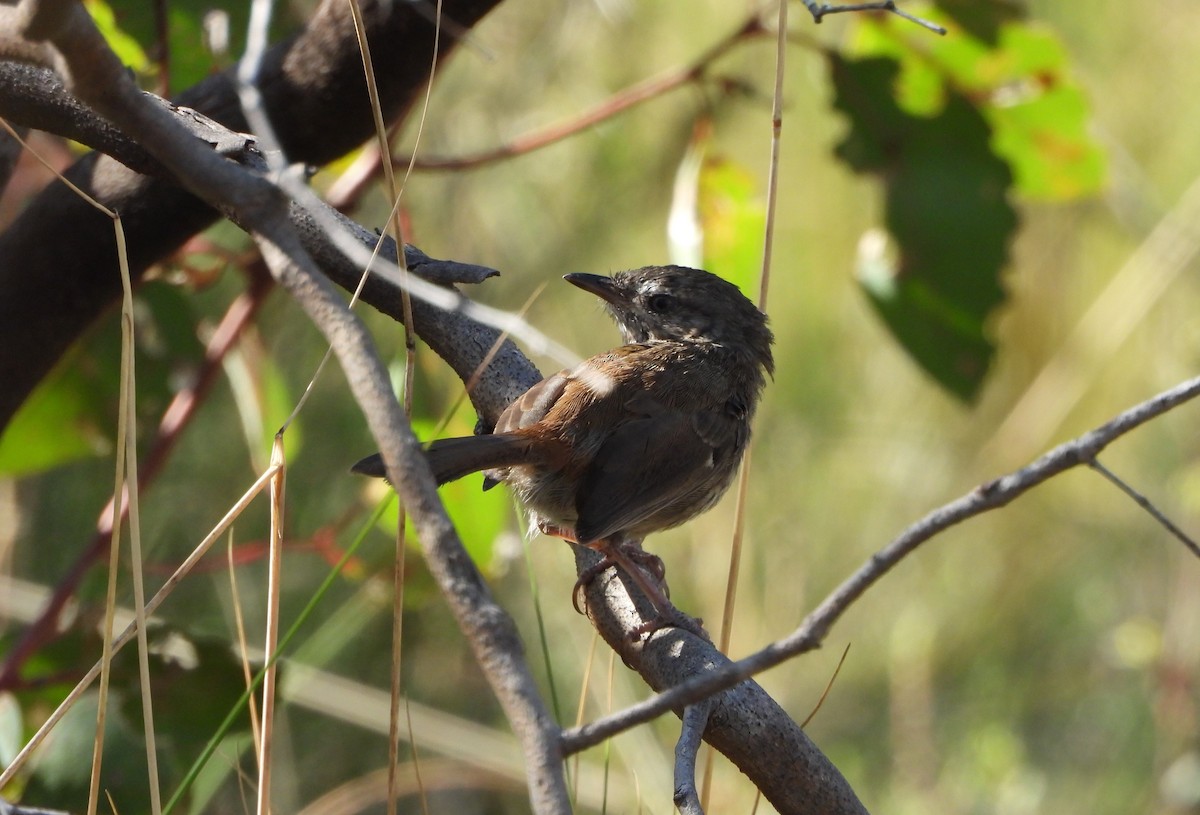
(277, 402)
(733, 216)
(126, 47)
(1046, 141)
(60, 422)
(11, 730)
(685, 233)
(190, 60)
(1019, 81)
(717, 217)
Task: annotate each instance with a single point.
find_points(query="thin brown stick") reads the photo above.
(271, 640)
(828, 687)
(114, 562)
(128, 383)
(614, 105)
(243, 650)
(764, 280)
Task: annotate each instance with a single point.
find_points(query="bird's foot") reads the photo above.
(649, 573)
(585, 579)
(649, 561)
(629, 556)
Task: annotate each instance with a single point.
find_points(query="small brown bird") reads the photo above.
(640, 438)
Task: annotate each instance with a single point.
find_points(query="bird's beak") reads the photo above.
(603, 287)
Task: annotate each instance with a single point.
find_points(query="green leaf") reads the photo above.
(60, 771)
(1020, 82)
(73, 413)
(123, 45)
(947, 210)
(951, 124)
(190, 58)
(191, 694)
(57, 424)
(733, 218)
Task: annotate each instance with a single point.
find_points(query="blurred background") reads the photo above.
(1039, 659)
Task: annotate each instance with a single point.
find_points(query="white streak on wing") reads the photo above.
(599, 383)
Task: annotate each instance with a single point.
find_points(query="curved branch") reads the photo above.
(812, 631)
(461, 341)
(745, 724)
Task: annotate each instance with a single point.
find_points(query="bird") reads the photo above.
(637, 439)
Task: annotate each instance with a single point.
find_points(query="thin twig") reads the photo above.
(607, 109)
(819, 10)
(691, 736)
(243, 650)
(1144, 502)
(396, 225)
(737, 545)
(813, 630)
(828, 687)
(128, 383)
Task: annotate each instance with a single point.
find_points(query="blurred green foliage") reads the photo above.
(1040, 659)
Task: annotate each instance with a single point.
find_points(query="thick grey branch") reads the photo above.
(10, 151)
(745, 724)
(459, 340)
(454, 336)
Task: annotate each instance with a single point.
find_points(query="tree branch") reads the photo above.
(813, 630)
(461, 341)
(793, 774)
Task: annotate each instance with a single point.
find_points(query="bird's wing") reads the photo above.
(533, 405)
(651, 461)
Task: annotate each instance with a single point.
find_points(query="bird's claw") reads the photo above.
(671, 619)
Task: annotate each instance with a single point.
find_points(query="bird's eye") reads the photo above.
(660, 303)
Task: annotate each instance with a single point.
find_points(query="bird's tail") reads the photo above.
(451, 459)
